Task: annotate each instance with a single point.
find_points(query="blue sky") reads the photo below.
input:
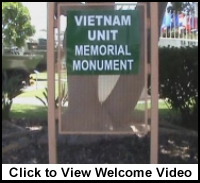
(38, 12)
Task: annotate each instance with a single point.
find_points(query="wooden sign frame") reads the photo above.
(53, 114)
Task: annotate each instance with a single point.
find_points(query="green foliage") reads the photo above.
(28, 112)
(16, 24)
(63, 97)
(182, 6)
(176, 6)
(11, 88)
(45, 100)
(179, 81)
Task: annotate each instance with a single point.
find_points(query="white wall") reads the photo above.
(165, 42)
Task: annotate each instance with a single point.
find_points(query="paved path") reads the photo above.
(27, 100)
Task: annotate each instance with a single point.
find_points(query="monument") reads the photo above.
(106, 69)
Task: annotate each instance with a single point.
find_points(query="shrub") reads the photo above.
(11, 88)
(179, 81)
(63, 97)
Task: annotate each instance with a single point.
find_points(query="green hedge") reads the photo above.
(179, 81)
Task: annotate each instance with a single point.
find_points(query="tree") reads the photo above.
(182, 6)
(16, 24)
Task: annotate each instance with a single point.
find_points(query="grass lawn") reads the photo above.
(33, 93)
(39, 87)
(164, 112)
(24, 111)
(141, 106)
(20, 111)
(37, 90)
(43, 75)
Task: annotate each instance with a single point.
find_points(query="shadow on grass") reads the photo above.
(170, 116)
(32, 112)
(20, 111)
(174, 148)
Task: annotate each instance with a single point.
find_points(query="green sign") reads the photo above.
(103, 42)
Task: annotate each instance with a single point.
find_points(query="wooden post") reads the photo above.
(51, 85)
(154, 82)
